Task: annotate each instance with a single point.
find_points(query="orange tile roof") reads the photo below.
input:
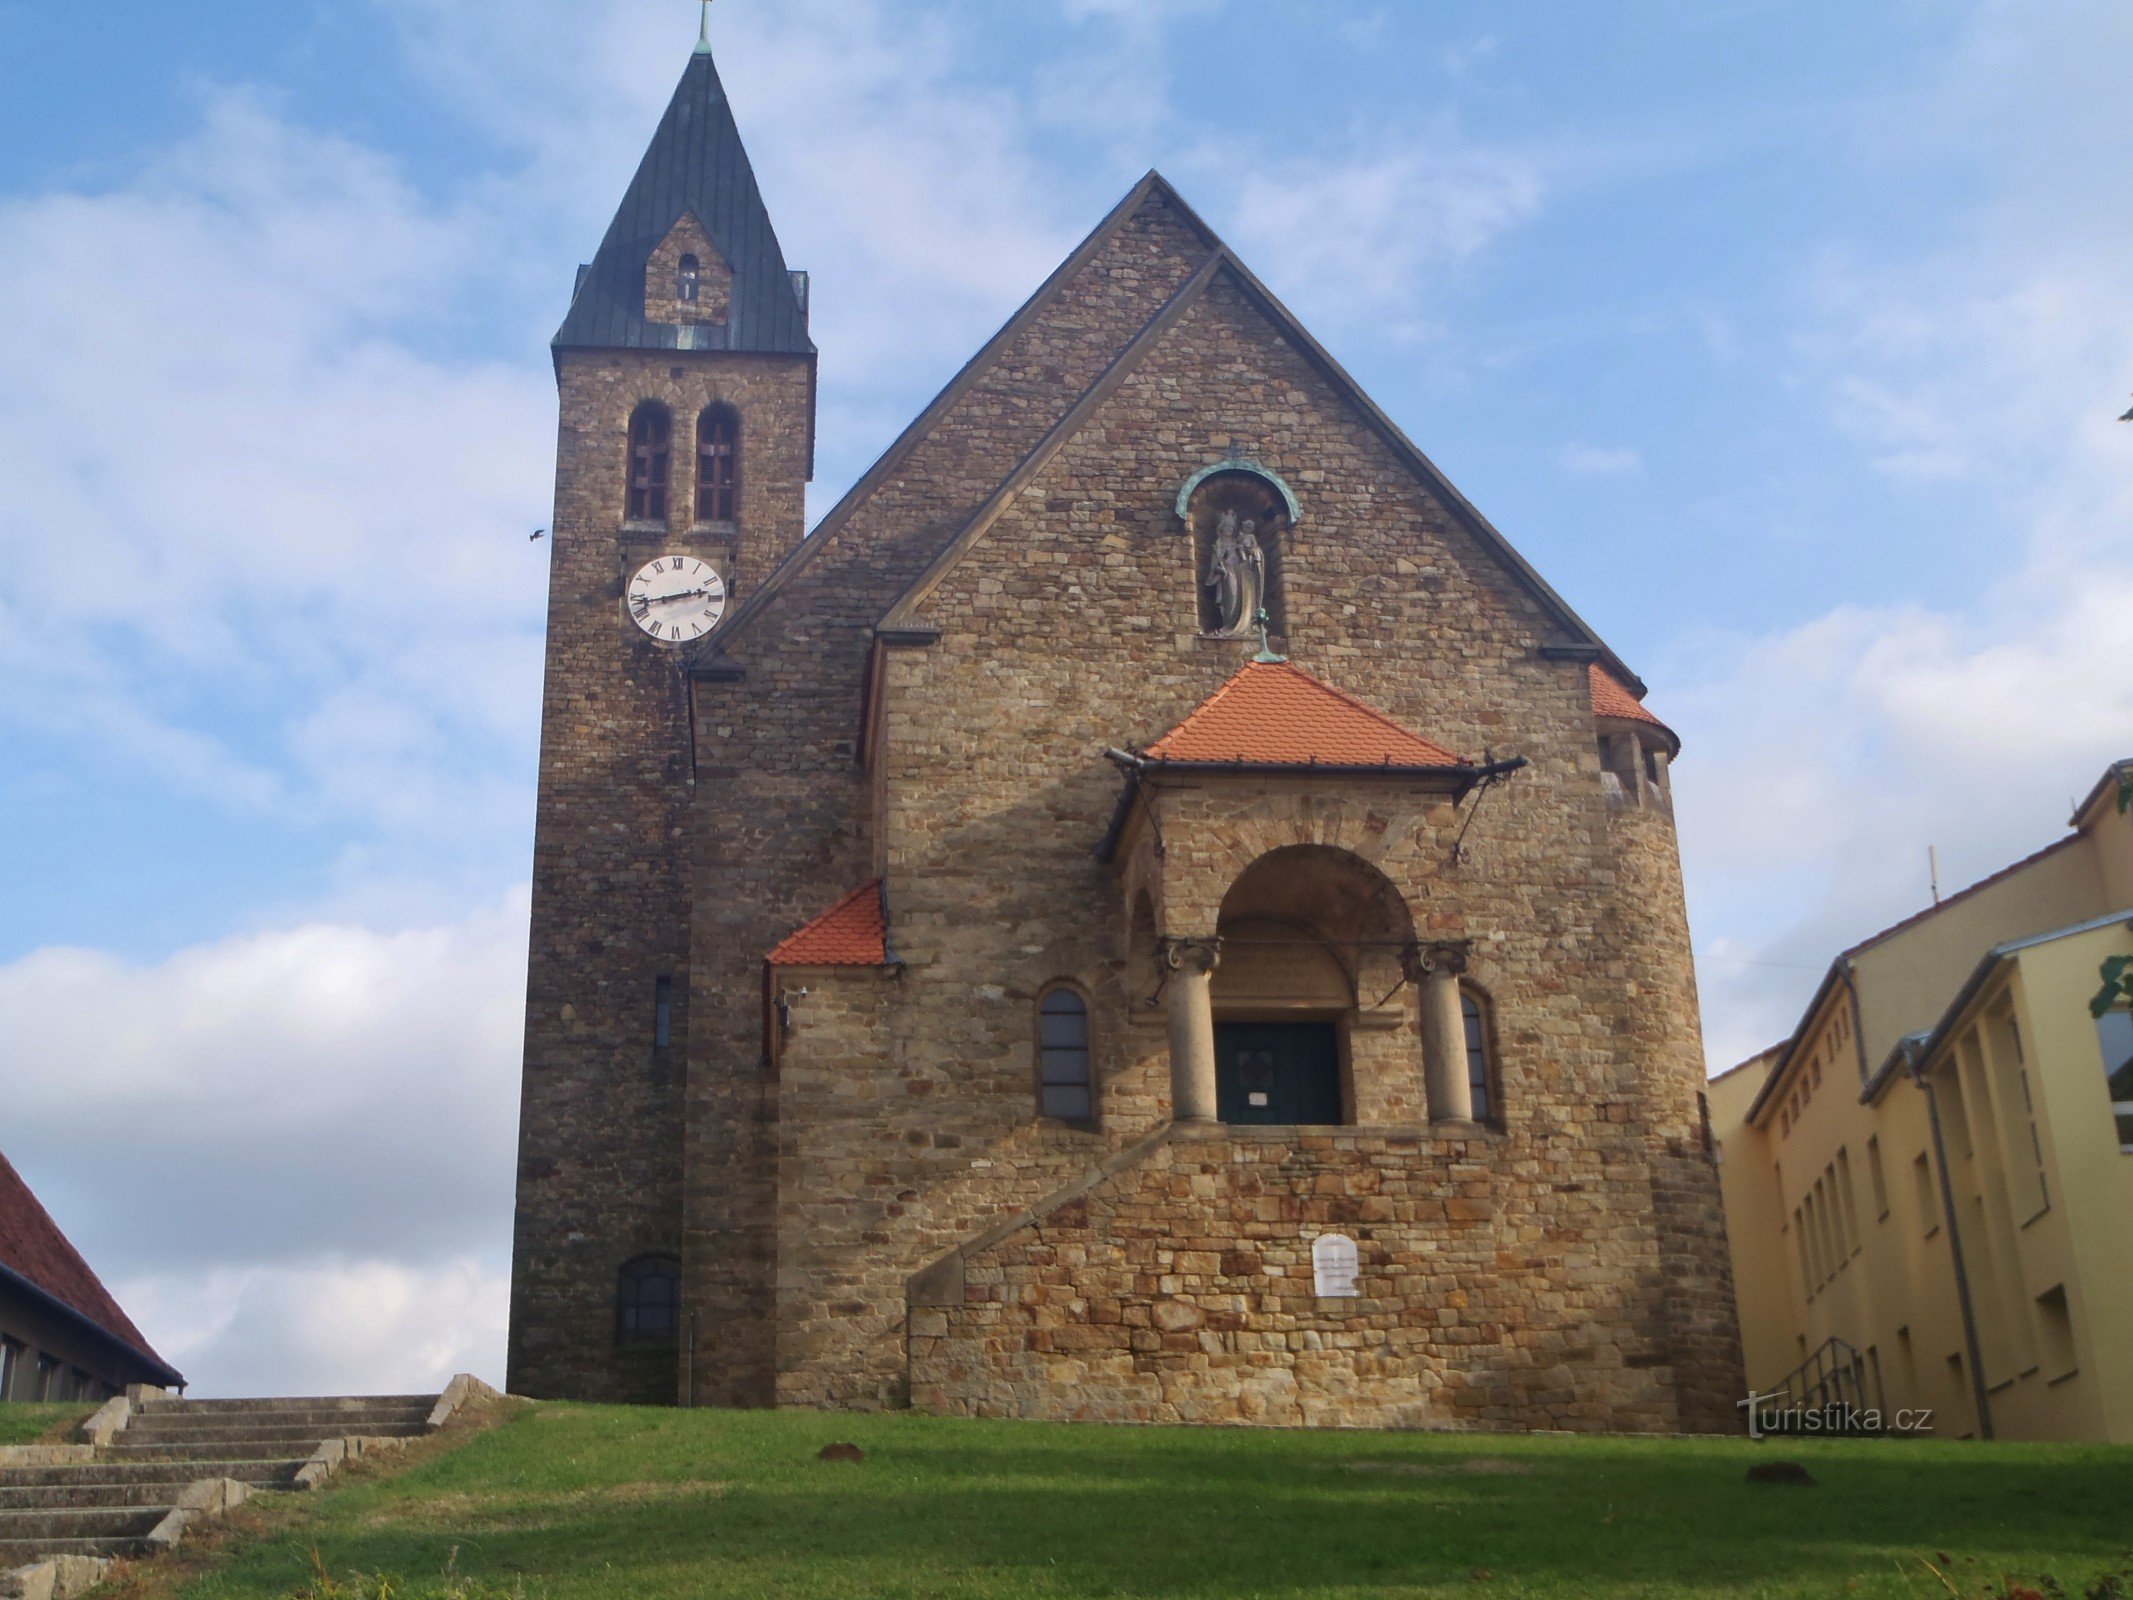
(1275, 715)
(1611, 698)
(852, 933)
(32, 1247)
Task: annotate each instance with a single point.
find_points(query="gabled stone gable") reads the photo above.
(713, 304)
(1071, 626)
(781, 802)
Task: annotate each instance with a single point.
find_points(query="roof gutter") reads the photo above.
(168, 1376)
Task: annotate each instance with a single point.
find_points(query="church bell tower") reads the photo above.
(687, 382)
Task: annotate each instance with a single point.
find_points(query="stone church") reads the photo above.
(1152, 910)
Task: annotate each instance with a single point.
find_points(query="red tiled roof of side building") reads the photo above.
(1611, 698)
(852, 933)
(1277, 715)
(32, 1247)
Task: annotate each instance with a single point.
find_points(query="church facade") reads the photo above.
(1152, 910)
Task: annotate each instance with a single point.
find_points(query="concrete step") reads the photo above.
(245, 1441)
(82, 1496)
(207, 1451)
(330, 1420)
(320, 1403)
(264, 1472)
(22, 1552)
(94, 1522)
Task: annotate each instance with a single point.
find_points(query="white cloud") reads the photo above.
(283, 1099)
(344, 1327)
(1823, 758)
(1601, 461)
(1366, 234)
(232, 493)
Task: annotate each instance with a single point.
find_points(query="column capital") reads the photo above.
(1197, 955)
(1446, 956)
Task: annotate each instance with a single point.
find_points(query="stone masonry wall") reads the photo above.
(1071, 627)
(600, 1156)
(1181, 1290)
(782, 820)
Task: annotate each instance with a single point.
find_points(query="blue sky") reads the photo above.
(1787, 339)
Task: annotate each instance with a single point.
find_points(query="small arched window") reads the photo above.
(651, 445)
(718, 465)
(648, 1299)
(1480, 1076)
(688, 276)
(1065, 1083)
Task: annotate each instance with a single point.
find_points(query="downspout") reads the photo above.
(1955, 1248)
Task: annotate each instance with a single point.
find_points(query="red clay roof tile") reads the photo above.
(852, 933)
(32, 1246)
(1276, 715)
(1611, 698)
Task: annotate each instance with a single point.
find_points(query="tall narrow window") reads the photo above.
(662, 1012)
(648, 1298)
(651, 443)
(1877, 1178)
(2114, 1033)
(10, 1359)
(1478, 1074)
(688, 279)
(1065, 1085)
(718, 465)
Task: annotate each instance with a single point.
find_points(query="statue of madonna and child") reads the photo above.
(1236, 573)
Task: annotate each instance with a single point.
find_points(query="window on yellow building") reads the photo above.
(1800, 1233)
(1848, 1200)
(1877, 1179)
(2114, 1031)
(2056, 1325)
(1928, 1206)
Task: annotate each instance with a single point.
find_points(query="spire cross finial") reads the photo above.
(703, 36)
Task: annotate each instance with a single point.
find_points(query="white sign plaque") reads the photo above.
(1334, 1266)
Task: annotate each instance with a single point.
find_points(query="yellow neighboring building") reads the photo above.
(1929, 1186)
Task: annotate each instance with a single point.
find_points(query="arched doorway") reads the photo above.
(1311, 936)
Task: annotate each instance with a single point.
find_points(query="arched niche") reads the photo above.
(1239, 516)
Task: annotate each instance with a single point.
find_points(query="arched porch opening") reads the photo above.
(1306, 1025)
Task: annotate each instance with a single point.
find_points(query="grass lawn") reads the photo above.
(28, 1424)
(567, 1501)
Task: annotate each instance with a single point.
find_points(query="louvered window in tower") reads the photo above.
(718, 466)
(688, 279)
(651, 442)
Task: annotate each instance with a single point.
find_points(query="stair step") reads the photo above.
(279, 1470)
(95, 1522)
(210, 1440)
(323, 1403)
(70, 1496)
(329, 1419)
(22, 1552)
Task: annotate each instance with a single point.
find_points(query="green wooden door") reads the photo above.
(1277, 1072)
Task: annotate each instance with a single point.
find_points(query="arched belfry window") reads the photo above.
(1480, 1054)
(688, 280)
(648, 1299)
(1066, 1083)
(718, 465)
(651, 447)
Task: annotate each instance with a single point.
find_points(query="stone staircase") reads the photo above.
(150, 1465)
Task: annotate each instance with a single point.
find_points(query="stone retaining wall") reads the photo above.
(1180, 1290)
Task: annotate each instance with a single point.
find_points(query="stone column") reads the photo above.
(1191, 965)
(1451, 1096)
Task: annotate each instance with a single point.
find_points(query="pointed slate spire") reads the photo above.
(695, 166)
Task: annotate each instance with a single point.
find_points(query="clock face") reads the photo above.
(677, 598)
